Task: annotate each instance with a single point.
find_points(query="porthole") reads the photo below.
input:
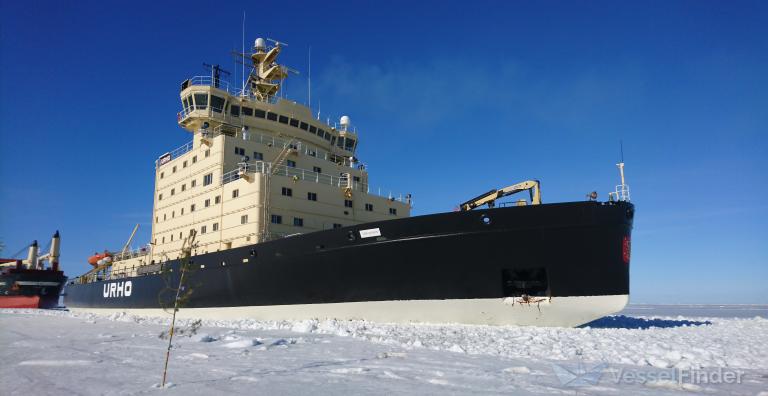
(485, 219)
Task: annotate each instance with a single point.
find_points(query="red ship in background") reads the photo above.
(28, 283)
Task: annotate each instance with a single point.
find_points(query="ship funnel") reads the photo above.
(32, 256)
(53, 257)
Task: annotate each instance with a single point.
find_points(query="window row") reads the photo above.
(207, 180)
(192, 207)
(184, 164)
(199, 101)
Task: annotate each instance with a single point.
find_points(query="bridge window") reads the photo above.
(304, 126)
(294, 122)
(312, 129)
(340, 142)
(272, 116)
(312, 196)
(392, 211)
(320, 133)
(259, 113)
(277, 219)
(348, 203)
(369, 207)
(247, 111)
(234, 110)
(328, 136)
(349, 144)
(298, 222)
(201, 101)
(283, 119)
(287, 192)
(217, 103)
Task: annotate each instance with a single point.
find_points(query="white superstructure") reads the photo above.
(258, 167)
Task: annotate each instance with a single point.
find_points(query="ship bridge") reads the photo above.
(210, 101)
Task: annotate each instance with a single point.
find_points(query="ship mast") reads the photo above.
(267, 75)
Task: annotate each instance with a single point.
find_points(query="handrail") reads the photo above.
(305, 175)
(268, 139)
(224, 85)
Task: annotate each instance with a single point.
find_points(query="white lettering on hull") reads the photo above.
(118, 289)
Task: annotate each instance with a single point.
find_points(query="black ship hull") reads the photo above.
(554, 264)
(30, 288)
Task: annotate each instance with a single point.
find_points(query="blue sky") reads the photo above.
(450, 100)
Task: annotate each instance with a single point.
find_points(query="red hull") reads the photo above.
(20, 302)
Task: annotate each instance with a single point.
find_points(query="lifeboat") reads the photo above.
(100, 259)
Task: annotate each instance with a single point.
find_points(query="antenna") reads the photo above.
(277, 43)
(621, 145)
(309, 80)
(242, 87)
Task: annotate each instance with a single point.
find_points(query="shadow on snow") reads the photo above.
(628, 322)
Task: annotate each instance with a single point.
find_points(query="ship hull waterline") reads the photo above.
(560, 264)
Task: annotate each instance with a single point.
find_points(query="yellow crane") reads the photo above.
(489, 198)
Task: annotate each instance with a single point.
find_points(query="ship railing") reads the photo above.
(621, 193)
(174, 154)
(307, 175)
(139, 252)
(270, 140)
(224, 85)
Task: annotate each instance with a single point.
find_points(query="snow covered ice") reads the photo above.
(59, 352)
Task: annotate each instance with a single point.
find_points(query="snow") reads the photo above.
(54, 352)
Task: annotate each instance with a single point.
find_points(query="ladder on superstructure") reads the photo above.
(288, 148)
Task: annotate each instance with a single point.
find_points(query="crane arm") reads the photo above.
(489, 198)
(130, 239)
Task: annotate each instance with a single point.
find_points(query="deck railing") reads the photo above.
(306, 175)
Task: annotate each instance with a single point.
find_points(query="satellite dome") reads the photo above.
(260, 43)
(344, 121)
